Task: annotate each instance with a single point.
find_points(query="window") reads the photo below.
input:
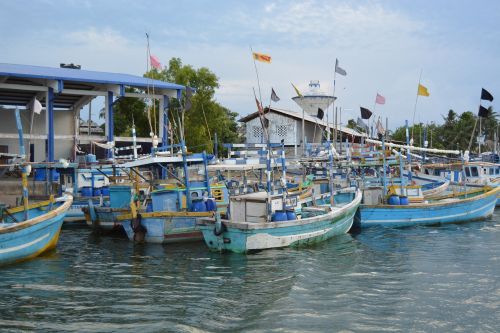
(281, 130)
(257, 131)
(467, 172)
(492, 171)
(474, 171)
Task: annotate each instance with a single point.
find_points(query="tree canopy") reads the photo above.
(454, 133)
(205, 118)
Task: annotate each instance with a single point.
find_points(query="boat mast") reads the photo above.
(22, 153)
(330, 167)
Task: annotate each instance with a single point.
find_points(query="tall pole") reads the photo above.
(340, 128)
(22, 152)
(384, 179)
(425, 144)
(257, 74)
(90, 117)
(479, 136)
(335, 128)
(415, 107)
(303, 133)
(408, 154)
(330, 178)
(283, 166)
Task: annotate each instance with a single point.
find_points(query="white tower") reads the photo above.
(314, 99)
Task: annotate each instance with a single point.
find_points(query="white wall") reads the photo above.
(283, 127)
(63, 124)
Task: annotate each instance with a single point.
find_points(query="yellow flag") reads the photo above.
(297, 90)
(422, 91)
(262, 57)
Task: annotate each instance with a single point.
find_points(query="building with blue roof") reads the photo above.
(63, 92)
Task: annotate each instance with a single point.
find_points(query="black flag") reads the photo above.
(483, 112)
(187, 102)
(321, 113)
(274, 97)
(485, 95)
(265, 122)
(365, 113)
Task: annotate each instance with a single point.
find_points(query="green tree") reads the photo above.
(455, 132)
(206, 117)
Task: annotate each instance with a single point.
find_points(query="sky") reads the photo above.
(383, 45)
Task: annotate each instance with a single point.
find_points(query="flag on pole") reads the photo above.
(297, 90)
(263, 119)
(274, 97)
(422, 91)
(365, 113)
(259, 107)
(339, 70)
(155, 62)
(362, 124)
(483, 112)
(380, 128)
(379, 99)
(485, 95)
(37, 106)
(321, 113)
(262, 57)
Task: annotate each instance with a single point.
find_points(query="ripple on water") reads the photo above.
(412, 279)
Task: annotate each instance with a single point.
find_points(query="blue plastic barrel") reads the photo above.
(211, 206)
(105, 190)
(55, 175)
(290, 215)
(403, 200)
(279, 216)
(393, 200)
(97, 192)
(86, 191)
(91, 158)
(40, 174)
(120, 196)
(149, 207)
(198, 206)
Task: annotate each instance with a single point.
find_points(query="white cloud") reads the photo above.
(96, 37)
(270, 7)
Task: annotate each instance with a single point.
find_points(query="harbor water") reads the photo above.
(421, 279)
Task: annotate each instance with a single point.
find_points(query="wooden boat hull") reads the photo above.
(172, 227)
(446, 211)
(28, 239)
(245, 237)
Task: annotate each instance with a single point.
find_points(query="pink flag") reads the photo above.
(155, 62)
(380, 99)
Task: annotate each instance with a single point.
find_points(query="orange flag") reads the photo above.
(262, 57)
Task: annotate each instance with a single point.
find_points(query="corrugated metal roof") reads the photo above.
(79, 75)
(307, 118)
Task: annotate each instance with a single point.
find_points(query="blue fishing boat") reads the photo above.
(178, 192)
(248, 230)
(265, 220)
(27, 233)
(477, 206)
(394, 209)
(31, 229)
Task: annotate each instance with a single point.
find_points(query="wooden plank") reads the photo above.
(166, 214)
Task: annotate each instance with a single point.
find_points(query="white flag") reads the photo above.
(37, 106)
